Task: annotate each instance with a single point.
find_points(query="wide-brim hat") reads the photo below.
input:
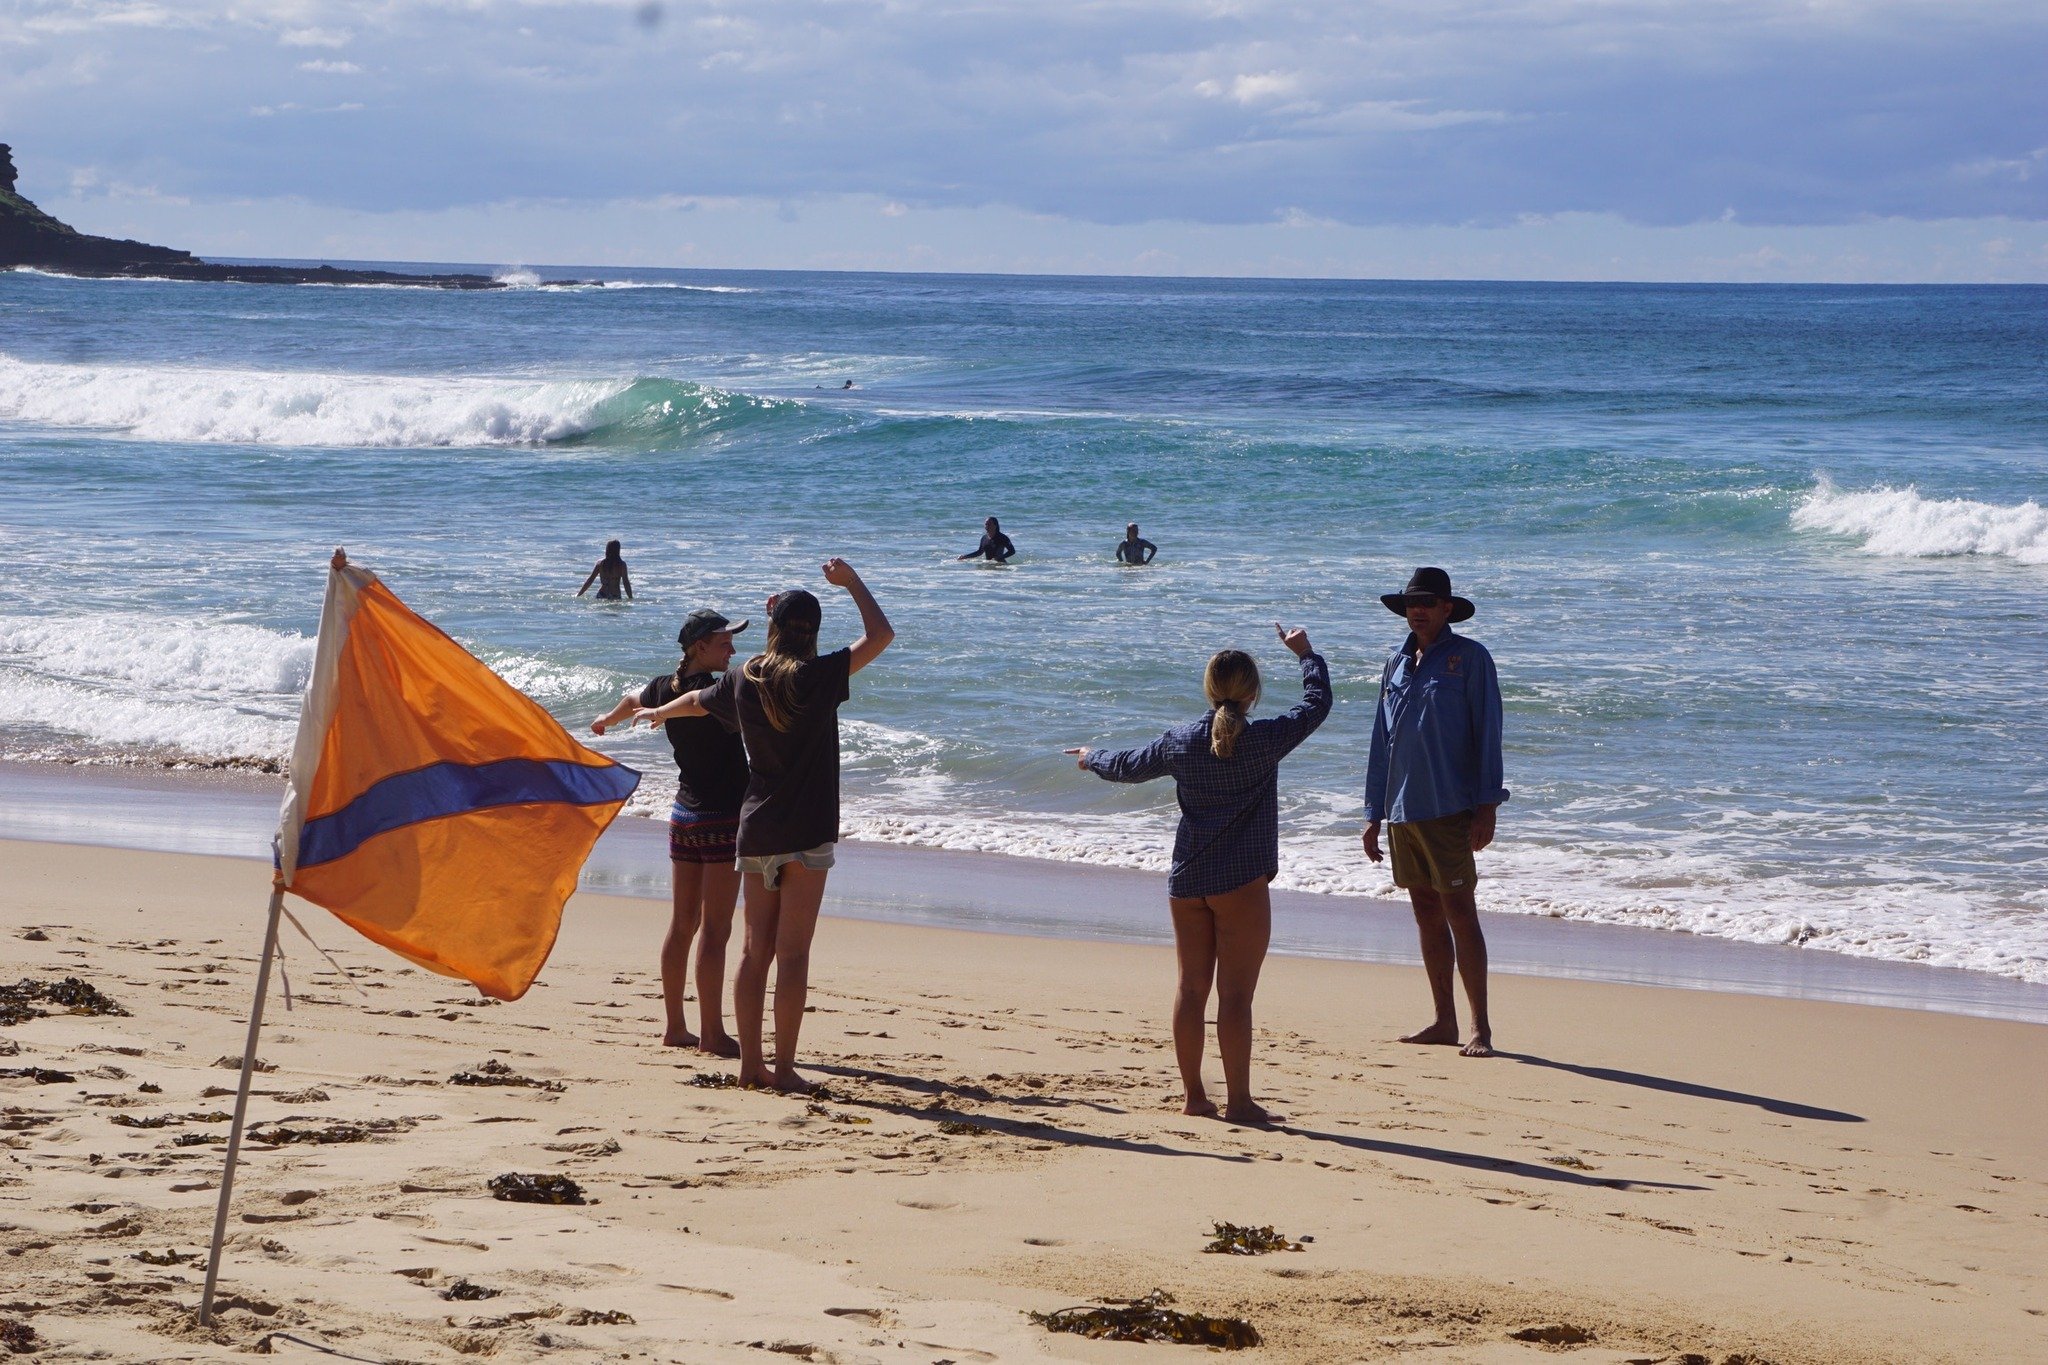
(795, 609)
(1430, 582)
(703, 622)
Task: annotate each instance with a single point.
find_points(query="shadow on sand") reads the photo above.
(1788, 1108)
(1473, 1161)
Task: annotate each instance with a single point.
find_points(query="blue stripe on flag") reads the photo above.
(446, 789)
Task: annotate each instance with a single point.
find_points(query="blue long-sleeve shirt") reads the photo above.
(1229, 807)
(1435, 733)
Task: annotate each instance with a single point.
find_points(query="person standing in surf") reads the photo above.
(610, 576)
(1134, 549)
(1226, 770)
(785, 702)
(995, 547)
(703, 826)
(1434, 778)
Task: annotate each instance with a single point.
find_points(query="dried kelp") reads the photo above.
(467, 1291)
(591, 1317)
(41, 1075)
(153, 1121)
(167, 1257)
(962, 1128)
(536, 1189)
(715, 1080)
(235, 1064)
(1230, 1239)
(363, 1130)
(1149, 1319)
(820, 1111)
(18, 1337)
(18, 1003)
(495, 1072)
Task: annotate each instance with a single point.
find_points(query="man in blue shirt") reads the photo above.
(1434, 780)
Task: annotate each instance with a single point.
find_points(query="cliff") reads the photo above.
(30, 237)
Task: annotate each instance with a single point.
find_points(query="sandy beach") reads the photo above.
(1652, 1174)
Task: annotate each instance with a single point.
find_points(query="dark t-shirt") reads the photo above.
(711, 761)
(793, 792)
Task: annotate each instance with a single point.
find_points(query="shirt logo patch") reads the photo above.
(1455, 664)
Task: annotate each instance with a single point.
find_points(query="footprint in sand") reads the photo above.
(926, 1205)
(704, 1293)
(873, 1317)
(956, 1352)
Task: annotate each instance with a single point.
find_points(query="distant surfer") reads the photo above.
(995, 547)
(1134, 548)
(610, 576)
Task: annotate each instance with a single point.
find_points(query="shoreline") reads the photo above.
(1656, 1175)
(231, 811)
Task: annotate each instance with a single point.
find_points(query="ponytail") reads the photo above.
(1232, 684)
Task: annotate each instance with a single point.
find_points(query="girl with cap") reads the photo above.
(1226, 768)
(703, 824)
(785, 702)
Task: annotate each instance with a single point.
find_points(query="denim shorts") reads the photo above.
(770, 865)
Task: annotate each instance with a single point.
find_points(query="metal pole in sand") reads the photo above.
(227, 1178)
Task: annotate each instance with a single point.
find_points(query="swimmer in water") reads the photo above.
(1134, 548)
(995, 547)
(610, 576)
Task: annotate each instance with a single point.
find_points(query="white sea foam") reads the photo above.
(517, 277)
(284, 408)
(133, 649)
(1901, 523)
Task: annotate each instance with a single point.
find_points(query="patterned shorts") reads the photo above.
(702, 838)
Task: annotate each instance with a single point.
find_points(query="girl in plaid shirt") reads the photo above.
(1226, 771)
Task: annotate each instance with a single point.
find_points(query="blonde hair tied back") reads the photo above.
(1232, 684)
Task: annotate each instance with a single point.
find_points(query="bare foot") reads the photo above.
(753, 1080)
(789, 1083)
(1247, 1113)
(1435, 1033)
(678, 1038)
(724, 1045)
(1480, 1046)
(1200, 1107)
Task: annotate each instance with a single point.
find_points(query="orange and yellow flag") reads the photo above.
(434, 807)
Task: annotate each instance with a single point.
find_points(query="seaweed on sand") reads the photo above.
(467, 1291)
(72, 996)
(1231, 1239)
(495, 1072)
(713, 1080)
(536, 1189)
(1149, 1319)
(283, 1134)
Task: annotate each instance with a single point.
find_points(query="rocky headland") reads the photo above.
(32, 238)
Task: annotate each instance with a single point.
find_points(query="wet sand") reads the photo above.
(1671, 1174)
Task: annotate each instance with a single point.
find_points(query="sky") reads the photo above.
(1834, 140)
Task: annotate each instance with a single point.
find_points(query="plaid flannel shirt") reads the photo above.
(1229, 808)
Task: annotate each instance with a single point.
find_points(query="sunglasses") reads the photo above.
(1421, 599)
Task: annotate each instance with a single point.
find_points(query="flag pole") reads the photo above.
(227, 1179)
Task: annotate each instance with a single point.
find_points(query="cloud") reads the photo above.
(1119, 112)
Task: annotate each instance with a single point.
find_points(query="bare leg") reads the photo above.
(1438, 955)
(721, 887)
(1244, 926)
(802, 891)
(1194, 941)
(750, 983)
(685, 880)
(1463, 915)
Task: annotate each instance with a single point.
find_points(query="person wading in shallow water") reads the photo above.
(610, 576)
(1134, 548)
(704, 822)
(1434, 779)
(995, 547)
(1226, 771)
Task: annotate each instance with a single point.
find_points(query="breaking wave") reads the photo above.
(1900, 523)
(289, 408)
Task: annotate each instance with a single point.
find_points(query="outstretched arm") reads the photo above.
(628, 705)
(588, 581)
(1129, 765)
(876, 633)
(688, 704)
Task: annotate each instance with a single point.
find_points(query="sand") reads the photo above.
(1671, 1174)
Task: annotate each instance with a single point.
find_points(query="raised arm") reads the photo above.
(876, 633)
(1314, 707)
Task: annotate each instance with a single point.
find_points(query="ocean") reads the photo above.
(1765, 569)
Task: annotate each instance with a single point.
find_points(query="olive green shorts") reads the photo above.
(1434, 854)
